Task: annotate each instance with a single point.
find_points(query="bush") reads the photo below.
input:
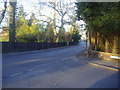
(27, 38)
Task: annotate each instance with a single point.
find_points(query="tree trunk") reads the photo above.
(101, 43)
(61, 31)
(92, 43)
(54, 22)
(115, 45)
(106, 45)
(92, 40)
(12, 21)
(96, 41)
(88, 43)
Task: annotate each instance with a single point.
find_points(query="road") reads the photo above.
(54, 68)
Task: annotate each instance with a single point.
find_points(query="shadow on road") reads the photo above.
(106, 82)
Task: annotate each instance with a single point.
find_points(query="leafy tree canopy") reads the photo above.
(100, 17)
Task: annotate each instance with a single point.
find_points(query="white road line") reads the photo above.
(30, 70)
(55, 84)
(66, 58)
(38, 65)
(70, 57)
(16, 74)
(63, 59)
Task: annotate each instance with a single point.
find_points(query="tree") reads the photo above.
(26, 30)
(3, 12)
(12, 26)
(63, 13)
(63, 9)
(102, 21)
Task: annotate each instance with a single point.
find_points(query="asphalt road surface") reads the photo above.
(54, 68)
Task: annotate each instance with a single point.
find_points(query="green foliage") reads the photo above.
(49, 33)
(27, 38)
(24, 31)
(4, 37)
(100, 17)
(30, 30)
(75, 36)
(62, 35)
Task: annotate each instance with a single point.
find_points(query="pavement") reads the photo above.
(55, 68)
(110, 64)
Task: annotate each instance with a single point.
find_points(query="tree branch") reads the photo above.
(3, 13)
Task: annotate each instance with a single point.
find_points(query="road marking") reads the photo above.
(39, 65)
(62, 59)
(70, 57)
(65, 58)
(30, 70)
(55, 84)
(16, 74)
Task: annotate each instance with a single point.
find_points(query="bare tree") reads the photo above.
(61, 9)
(3, 11)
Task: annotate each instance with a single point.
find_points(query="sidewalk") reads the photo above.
(110, 64)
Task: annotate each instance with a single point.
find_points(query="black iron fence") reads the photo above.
(29, 46)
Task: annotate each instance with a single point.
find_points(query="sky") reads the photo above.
(31, 6)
